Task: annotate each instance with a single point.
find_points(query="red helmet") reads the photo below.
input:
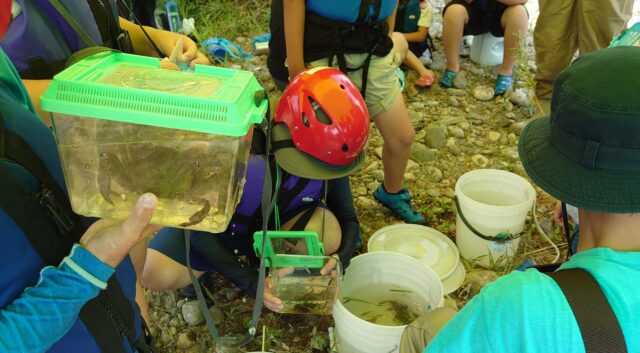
(325, 115)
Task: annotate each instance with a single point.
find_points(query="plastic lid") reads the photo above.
(133, 89)
(425, 244)
(455, 280)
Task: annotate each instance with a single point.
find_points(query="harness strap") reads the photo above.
(86, 38)
(600, 329)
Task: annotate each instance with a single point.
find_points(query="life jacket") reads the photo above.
(407, 16)
(329, 38)
(38, 228)
(42, 37)
(295, 194)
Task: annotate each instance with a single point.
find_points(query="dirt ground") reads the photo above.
(455, 133)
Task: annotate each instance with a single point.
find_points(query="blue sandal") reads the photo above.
(503, 83)
(446, 80)
(221, 48)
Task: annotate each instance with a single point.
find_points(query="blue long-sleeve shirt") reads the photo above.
(45, 312)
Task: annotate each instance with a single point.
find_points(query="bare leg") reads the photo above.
(161, 272)
(514, 23)
(407, 57)
(454, 20)
(396, 130)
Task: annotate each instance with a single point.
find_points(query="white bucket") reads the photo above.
(492, 201)
(487, 50)
(355, 335)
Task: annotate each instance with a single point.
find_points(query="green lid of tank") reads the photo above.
(133, 89)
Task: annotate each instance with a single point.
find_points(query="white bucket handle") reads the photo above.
(501, 237)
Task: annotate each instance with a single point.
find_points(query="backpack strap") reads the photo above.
(47, 221)
(598, 324)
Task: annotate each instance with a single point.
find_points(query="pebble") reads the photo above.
(436, 136)
(455, 92)
(422, 153)
(434, 174)
(522, 97)
(378, 175)
(480, 160)
(372, 186)
(191, 313)
(512, 138)
(409, 177)
(371, 167)
(493, 136)
(216, 314)
(361, 191)
(454, 101)
(456, 132)
(477, 116)
(185, 340)
(232, 294)
(483, 93)
(451, 120)
(412, 166)
(378, 151)
(464, 125)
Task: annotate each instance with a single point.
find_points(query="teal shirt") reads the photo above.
(527, 312)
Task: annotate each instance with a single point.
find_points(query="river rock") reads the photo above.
(378, 174)
(191, 313)
(216, 314)
(185, 340)
(480, 160)
(436, 136)
(434, 174)
(456, 132)
(522, 97)
(483, 93)
(455, 92)
(422, 153)
(493, 136)
(361, 191)
(412, 166)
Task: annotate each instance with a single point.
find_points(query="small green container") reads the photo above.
(630, 37)
(124, 127)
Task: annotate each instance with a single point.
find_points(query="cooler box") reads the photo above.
(124, 127)
(630, 37)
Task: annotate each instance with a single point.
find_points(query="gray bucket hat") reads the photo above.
(587, 152)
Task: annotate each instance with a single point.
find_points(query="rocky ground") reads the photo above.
(457, 130)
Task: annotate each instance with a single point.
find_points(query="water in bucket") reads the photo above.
(487, 50)
(495, 203)
(377, 277)
(385, 304)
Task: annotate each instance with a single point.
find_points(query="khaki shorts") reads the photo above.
(383, 87)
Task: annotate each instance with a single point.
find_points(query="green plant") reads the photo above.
(521, 69)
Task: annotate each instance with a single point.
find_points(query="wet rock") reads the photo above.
(522, 97)
(216, 314)
(456, 132)
(436, 136)
(493, 136)
(483, 93)
(191, 313)
(480, 160)
(455, 92)
(434, 174)
(460, 82)
(422, 153)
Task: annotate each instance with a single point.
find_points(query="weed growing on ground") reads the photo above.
(521, 70)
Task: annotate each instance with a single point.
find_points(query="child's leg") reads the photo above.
(514, 22)
(409, 59)
(455, 18)
(397, 133)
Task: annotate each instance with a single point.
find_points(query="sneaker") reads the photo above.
(503, 83)
(399, 204)
(446, 80)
